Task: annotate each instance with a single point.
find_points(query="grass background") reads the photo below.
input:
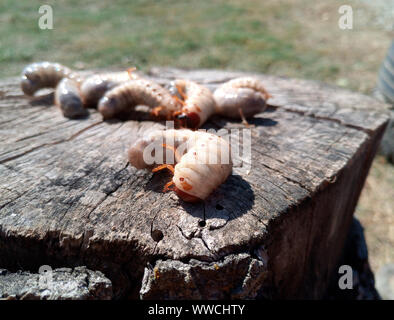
(284, 37)
(295, 38)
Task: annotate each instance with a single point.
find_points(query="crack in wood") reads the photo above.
(73, 136)
(310, 114)
(289, 179)
(112, 191)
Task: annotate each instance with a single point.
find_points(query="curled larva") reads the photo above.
(128, 95)
(68, 98)
(95, 86)
(198, 103)
(41, 75)
(202, 160)
(240, 97)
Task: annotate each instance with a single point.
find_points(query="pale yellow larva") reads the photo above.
(95, 86)
(244, 96)
(138, 92)
(198, 103)
(68, 98)
(41, 75)
(202, 160)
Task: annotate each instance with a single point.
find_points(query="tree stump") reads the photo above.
(62, 284)
(69, 197)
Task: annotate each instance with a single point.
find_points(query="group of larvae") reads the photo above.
(188, 103)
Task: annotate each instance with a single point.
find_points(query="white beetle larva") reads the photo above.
(68, 98)
(198, 103)
(41, 75)
(95, 86)
(202, 160)
(241, 97)
(238, 98)
(138, 92)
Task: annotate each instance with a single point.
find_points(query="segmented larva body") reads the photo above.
(199, 103)
(68, 98)
(245, 95)
(41, 75)
(95, 86)
(203, 160)
(138, 92)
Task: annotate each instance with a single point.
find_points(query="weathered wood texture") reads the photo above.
(69, 197)
(62, 284)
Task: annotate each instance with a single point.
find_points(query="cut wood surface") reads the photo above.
(70, 198)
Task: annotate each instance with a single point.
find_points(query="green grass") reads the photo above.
(262, 36)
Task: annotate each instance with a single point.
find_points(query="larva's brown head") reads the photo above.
(29, 86)
(71, 106)
(189, 120)
(107, 107)
(34, 77)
